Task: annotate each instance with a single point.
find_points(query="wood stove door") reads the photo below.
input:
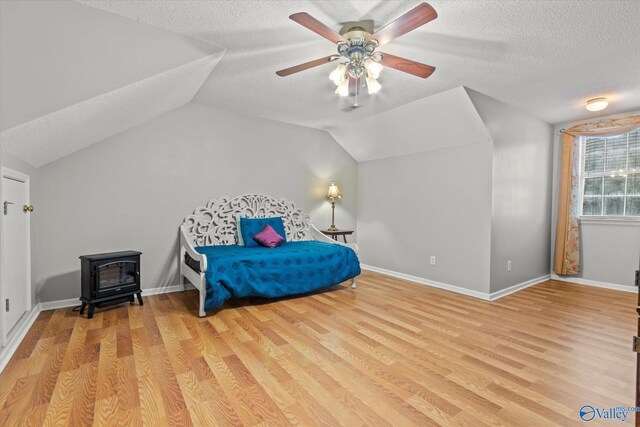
(115, 277)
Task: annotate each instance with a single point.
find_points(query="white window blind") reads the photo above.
(610, 175)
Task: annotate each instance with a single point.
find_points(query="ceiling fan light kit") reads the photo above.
(343, 88)
(337, 76)
(362, 61)
(373, 69)
(357, 44)
(372, 84)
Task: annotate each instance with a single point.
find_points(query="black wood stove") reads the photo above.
(109, 278)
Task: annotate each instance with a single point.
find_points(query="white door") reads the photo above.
(16, 251)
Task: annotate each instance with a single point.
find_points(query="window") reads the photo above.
(610, 175)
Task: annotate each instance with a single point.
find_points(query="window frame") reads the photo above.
(582, 176)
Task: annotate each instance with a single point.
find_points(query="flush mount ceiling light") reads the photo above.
(357, 44)
(597, 104)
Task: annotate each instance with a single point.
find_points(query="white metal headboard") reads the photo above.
(215, 224)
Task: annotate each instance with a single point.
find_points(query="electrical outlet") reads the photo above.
(509, 265)
(6, 305)
(433, 260)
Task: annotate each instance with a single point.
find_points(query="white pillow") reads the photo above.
(239, 231)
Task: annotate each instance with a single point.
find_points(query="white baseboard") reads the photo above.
(427, 282)
(63, 303)
(581, 281)
(17, 336)
(518, 287)
(457, 289)
(163, 290)
(25, 324)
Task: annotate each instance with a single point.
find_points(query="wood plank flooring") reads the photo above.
(388, 353)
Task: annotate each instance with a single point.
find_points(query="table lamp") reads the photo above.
(332, 194)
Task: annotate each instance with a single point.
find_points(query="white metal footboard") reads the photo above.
(196, 279)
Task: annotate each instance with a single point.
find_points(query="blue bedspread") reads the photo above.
(292, 268)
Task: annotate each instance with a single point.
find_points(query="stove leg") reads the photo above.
(91, 308)
(84, 304)
(139, 295)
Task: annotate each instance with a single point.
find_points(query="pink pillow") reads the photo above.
(268, 237)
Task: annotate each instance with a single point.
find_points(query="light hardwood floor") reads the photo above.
(388, 353)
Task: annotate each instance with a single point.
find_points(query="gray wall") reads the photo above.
(610, 250)
(474, 206)
(16, 164)
(431, 203)
(521, 196)
(133, 190)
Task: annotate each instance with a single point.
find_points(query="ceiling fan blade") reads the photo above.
(306, 65)
(317, 27)
(419, 15)
(407, 65)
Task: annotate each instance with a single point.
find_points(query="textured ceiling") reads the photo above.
(445, 119)
(72, 75)
(544, 57)
(62, 132)
(58, 53)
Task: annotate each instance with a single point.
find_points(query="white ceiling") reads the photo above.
(73, 73)
(544, 57)
(58, 53)
(445, 119)
(63, 132)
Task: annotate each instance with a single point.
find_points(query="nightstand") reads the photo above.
(334, 234)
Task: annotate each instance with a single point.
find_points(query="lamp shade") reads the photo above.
(372, 85)
(337, 75)
(334, 191)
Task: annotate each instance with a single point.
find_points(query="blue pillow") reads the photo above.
(249, 227)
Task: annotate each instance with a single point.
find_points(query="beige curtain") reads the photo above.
(567, 254)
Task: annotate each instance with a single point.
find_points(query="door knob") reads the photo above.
(27, 208)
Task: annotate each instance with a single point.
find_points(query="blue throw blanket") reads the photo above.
(292, 268)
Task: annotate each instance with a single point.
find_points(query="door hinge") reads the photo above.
(6, 304)
(636, 344)
(6, 203)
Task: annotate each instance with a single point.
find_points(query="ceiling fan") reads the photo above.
(357, 44)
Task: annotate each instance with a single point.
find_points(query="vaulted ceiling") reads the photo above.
(72, 75)
(445, 119)
(546, 58)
